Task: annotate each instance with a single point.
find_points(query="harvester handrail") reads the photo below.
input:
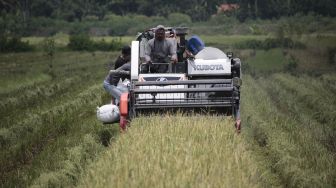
(183, 90)
(184, 82)
(182, 105)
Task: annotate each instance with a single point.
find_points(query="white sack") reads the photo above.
(108, 113)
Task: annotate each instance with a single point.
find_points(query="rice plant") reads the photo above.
(176, 151)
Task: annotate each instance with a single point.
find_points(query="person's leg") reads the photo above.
(115, 91)
(122, 88)
(112, 90)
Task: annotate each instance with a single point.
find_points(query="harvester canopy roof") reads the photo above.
(210, 53)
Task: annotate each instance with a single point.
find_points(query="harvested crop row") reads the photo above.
(28, 137)
(17, 83)
(327, 89)
(65, 158)
(36, 93)
(74, 164)
(63, 65)
(176, 151)
(28, 62)
(322, 132)
(33, 96)
(282, 143)
(323, 108)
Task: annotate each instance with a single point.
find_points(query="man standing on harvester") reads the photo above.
(160, 50)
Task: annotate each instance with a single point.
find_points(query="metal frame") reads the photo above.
(226, 90)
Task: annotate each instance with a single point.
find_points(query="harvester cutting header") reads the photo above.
(169, 72)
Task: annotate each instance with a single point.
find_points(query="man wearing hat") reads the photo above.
(160, 50)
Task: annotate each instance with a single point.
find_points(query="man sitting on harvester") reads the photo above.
(111, 81)
(160, 50)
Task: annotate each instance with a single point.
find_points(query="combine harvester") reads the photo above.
(208, 82)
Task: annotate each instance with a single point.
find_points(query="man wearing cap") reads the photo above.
(160, 50)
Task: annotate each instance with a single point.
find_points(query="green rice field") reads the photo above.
(49, 135)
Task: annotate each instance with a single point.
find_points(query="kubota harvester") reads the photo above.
(210, 81)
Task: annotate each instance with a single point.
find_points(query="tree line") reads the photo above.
(198, 10)
(268, 9)
(28, 17)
